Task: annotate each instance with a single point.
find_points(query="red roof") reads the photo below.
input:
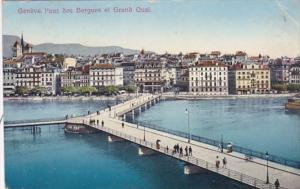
(102, 66)
(240, 53)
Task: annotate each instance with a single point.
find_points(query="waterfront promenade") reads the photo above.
(252, 172)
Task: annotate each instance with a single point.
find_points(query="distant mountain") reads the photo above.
(8, 42)
(78, 49)
(68, 49)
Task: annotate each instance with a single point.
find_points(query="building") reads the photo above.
(19, 48)
(215, 55)
(183, 82)
(102, 75)
(208, 78)
(71, 77)
(294, 75)
(250, 78)
(9, 80)
(36, 76)
(69, 62)
(280, 74)
(128, 72)
(149, 76)
(240, 56)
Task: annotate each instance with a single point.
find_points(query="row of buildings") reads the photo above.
(200, 74)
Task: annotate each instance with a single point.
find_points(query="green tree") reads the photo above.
(130, 88)
(111, 89)
(38, 90)
(69, 89)
(22, 90)
(293, 87)
(280, 87)
(87, 90)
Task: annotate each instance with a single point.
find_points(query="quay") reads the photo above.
(112, 121)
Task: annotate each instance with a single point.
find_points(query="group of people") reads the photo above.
(218, 162)
(178, 149)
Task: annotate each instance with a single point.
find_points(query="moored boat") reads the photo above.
(293, 103)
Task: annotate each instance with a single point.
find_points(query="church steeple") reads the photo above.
(22, 44)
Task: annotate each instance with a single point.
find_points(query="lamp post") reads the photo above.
(188, 113)
(144, 133)
(267, 156)
(222, 144)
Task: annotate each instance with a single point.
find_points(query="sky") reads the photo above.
(268, 27)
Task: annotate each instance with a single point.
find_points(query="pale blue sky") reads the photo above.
(255, 26)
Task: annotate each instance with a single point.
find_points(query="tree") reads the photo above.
(69, 90)
(293, 87)
(22, 90)
(87, 90)
(130, 88)
(38, 90)
(279, 87)
(111, 89)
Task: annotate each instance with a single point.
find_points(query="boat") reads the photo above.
(293, 103)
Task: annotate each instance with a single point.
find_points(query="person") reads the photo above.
(224, 162)
(186, 151)
(167, 149)
(174, 150)
(157, 144)
(277, 183)
(180, 151)
(102, 123)
(190, 151)
(217, 162)
(122, 124)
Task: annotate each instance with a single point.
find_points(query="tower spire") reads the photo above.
(22, 43)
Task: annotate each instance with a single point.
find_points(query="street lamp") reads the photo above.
(267, 156)
(144, 133)
(188, 113)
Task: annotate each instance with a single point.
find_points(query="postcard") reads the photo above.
(150, 94)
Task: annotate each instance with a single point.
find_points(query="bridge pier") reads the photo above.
(193, 169)
(124, 117)
(145, 151)
(140, 110)
(112, 138)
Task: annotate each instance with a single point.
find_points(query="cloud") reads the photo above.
(286, 15)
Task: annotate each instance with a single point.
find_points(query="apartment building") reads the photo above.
(208, 78)
(250, 78)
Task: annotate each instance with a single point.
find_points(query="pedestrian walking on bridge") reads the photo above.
(186, 151)
(224, 162)
(180, 152)
(277, 184)
(190, 151)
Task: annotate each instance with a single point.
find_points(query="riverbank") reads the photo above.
(198, 97)
(70, 98)
(169, 96)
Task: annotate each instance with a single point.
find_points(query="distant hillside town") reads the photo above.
(39, 73)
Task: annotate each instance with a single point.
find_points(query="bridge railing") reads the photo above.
(242, 150)
(193, 160)
(34, 120)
